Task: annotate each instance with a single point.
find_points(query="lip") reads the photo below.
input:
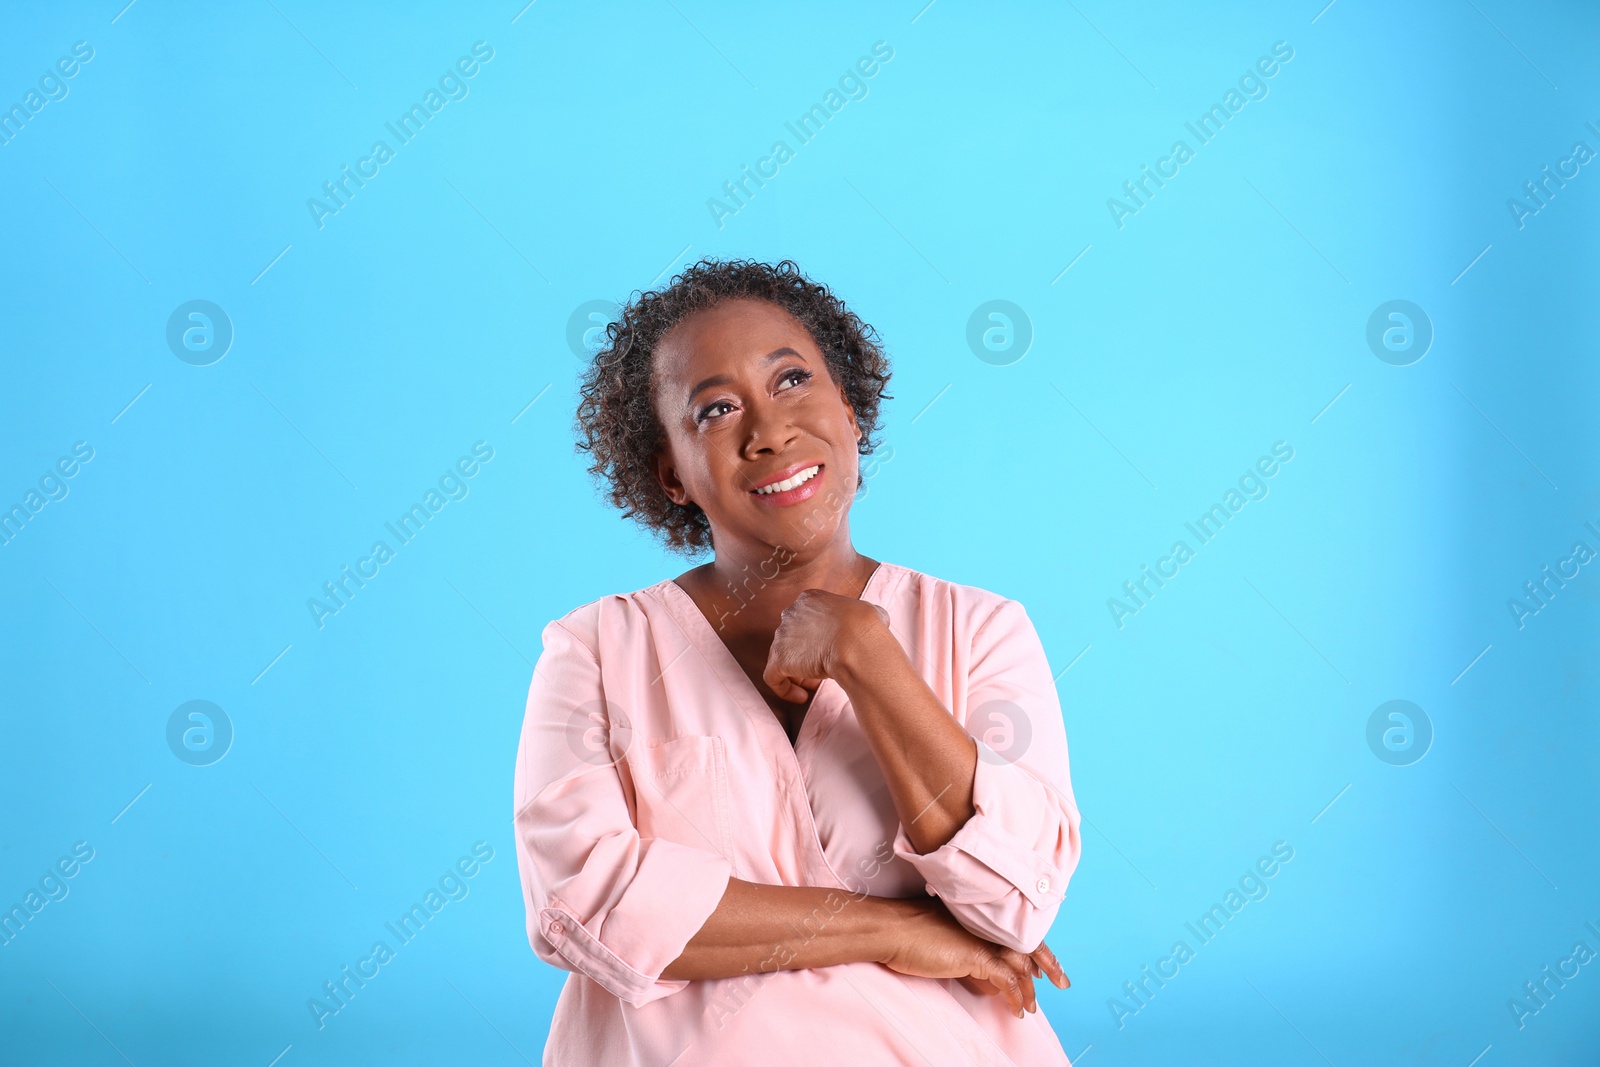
(799, 492)
(787, 472)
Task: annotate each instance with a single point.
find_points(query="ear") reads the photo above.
(667, 475)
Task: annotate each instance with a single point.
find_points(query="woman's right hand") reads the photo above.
(930, 943)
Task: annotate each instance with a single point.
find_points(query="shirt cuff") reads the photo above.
(992, 874)
(669, 899)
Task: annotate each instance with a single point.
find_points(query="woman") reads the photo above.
(795, 805)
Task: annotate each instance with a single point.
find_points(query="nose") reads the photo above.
(770, 431)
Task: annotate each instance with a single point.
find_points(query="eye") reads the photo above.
(709, 408)
(798, 375)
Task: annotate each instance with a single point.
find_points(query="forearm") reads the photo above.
(762, 928)
(927, 759)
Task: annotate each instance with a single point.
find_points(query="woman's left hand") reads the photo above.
(1041, 962)
(814, 634)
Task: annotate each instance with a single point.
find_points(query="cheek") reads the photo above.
(706, 462)
(832, 419)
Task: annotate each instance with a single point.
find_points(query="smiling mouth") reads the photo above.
(796, 481)
(801, 485)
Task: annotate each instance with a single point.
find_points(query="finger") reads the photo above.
(801, 690)
(991, 970)
(1019, 964)
(1023, 986)
(786, 686)
(780, 665)
(1058, 975)
(1013, 991)
(1044, 958)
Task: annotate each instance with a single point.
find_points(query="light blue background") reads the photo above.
(370, 353)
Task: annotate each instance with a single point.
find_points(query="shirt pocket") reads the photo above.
(682, 792)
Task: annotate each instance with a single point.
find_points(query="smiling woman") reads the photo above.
(778, 837)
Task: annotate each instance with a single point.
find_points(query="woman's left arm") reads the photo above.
(990, 823)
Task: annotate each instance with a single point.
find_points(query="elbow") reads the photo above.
(1028, 933)
(1012, 922)
(561, 940)
(545, 951)
(639, 996)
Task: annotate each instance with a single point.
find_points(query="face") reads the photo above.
(747, 403)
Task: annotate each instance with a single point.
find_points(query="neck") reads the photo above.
(753, 586)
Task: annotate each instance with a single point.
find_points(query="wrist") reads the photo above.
(860, 648)
(894, 924)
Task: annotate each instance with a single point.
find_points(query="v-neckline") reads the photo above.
(743, 690)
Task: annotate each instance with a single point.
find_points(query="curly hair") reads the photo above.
(617, 421)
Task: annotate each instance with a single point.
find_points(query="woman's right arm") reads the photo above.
(758, 929)
(601, 900)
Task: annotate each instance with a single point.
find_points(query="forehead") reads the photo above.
(729, 334)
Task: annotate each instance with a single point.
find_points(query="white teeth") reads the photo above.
(799, 479)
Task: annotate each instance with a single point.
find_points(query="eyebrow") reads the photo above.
(723, 379)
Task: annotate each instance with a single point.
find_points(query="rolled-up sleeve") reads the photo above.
(601, 900)
(1004, 873)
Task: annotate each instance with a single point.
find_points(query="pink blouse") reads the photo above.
(650, 770)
